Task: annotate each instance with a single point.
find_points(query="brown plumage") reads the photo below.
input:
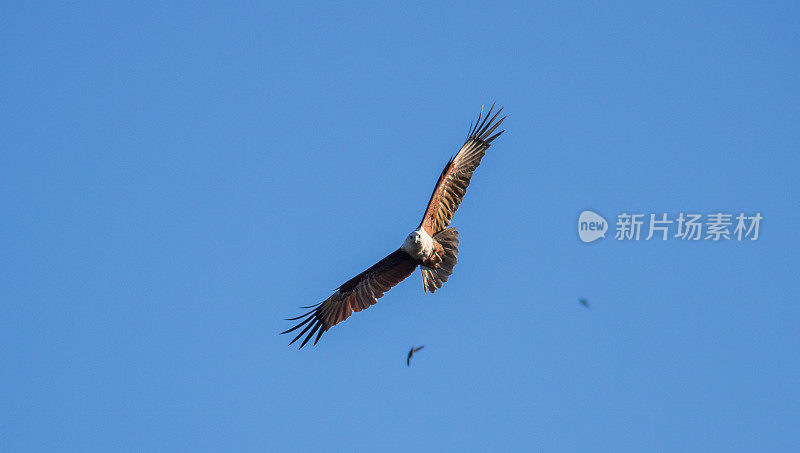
(455, 178)
(434, 276)
(436, 262)
(355, 295)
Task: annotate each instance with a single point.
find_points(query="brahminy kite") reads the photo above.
(433, 245)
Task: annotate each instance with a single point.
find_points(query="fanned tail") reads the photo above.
(433, 279)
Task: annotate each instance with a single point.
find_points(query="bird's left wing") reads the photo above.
(455, 178)
(355, 295)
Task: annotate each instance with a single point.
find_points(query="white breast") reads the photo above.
(418, 244)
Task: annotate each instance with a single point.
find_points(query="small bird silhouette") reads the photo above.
(411, 353)
(584, 302)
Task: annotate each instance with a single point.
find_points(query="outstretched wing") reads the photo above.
(356, 294)
(455, 177)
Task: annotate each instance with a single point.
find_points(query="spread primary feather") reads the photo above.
(432, 246)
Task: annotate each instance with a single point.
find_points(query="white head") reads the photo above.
(418, 244)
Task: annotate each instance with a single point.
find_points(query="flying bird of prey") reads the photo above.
(411, 354)
(433, 245)
(584, 302)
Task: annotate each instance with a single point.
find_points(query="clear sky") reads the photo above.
(177, 179)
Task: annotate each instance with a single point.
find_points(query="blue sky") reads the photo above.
(177, 179)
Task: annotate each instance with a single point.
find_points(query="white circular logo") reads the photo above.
(591, 226)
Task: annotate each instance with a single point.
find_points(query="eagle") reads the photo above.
(433, 246)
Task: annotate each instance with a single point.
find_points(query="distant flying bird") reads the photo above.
(584, 302)
(432, 246)
(411, 353)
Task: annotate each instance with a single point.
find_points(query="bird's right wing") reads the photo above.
(355, 295)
